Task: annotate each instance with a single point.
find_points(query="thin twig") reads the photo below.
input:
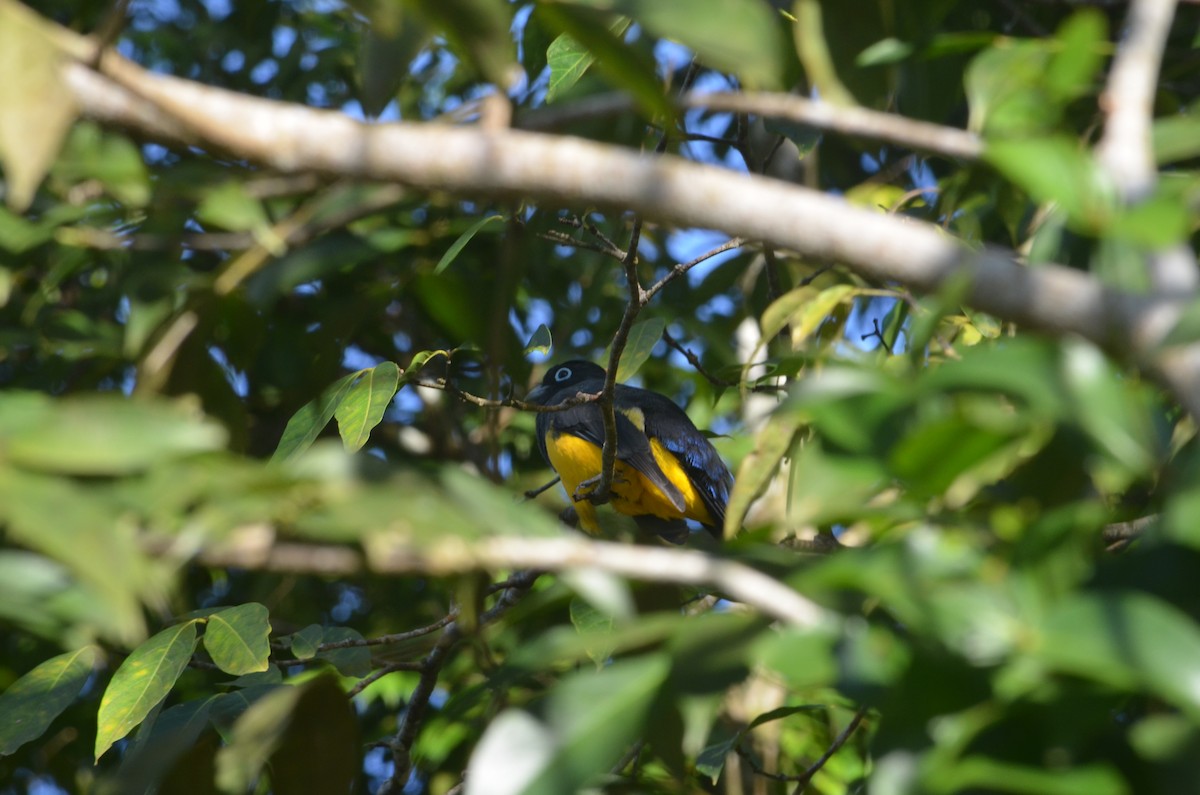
(375, 676)
(506, 403)
(531, 493)
(388, 640)
(838, 742)
(684, 267)
(606, 244)
(563, 239)
(431, 668)
(608, 458)
(694, 361)
(1120, 535)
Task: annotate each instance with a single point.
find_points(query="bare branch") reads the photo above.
(418, 703)
(456, 556)
(512, 163)
(683, 267)
(838, 742)
(859, 122)
(506, 403)
(1125, 151)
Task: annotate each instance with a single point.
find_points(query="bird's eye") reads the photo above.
(562, 374)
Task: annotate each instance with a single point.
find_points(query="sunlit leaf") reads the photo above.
(623, 66)
(736, 36)
(39, 106)
(569, 60)
(237, 638)
(142, 681)
(100, 434)
(541, 342)
(758, 469)
(363, 406)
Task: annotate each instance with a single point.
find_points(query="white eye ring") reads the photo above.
(562, 374)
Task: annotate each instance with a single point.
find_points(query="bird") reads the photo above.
(666, 470)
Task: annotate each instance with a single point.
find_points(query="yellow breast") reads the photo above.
(577, 460)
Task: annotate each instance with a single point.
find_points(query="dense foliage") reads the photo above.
(961, 553)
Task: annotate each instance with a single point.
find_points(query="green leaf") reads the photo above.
(306, 424)
(100, 434)
(1057, 169)
(1082, 46)
(594, 626)
(1108, 408)
(362, 408)
(255, 736)
(812, 46)
(83, 531)
(173, 736)
(1176, 138)
(569, 60)
(1002, 87)
(142, 681)
(976, 773)
(885, 51)
(307, 735)
(32, 702)
(643, 336)
(457, 246)
(592, 717)
(759, 468)
(480, 30)
(808, 318)
(541, 342)
(237, 638)
(229, 206)
(623, 66)
(112, 159)
(305, 642)
(741, 37)
(39, 107)
(1128, 640)
(781, 310)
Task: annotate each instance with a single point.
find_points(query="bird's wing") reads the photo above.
(633, 448)
(666, 422)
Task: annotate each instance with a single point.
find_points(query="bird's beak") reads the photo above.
(538, 395)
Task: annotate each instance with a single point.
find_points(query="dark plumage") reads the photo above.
(667, 471)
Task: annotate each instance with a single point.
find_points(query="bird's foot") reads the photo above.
(586, 490)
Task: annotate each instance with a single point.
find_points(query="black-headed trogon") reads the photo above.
(666, 470)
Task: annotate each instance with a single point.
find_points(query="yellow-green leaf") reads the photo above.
(363, 406)
(32, 702)
(237, 638)
(38, 106)
(142, 681)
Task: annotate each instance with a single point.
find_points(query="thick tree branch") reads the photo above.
(506, 164)
(457, 556)
(1126, 151)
